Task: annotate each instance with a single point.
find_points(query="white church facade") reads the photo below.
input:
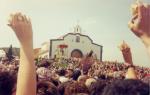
(71, 45)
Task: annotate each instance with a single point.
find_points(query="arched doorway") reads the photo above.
(77, 53)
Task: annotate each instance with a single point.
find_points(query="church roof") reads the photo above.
(62, 37)
(76, 30)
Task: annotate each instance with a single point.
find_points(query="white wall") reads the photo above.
(85, 45)
(44, 50)
(44, 55)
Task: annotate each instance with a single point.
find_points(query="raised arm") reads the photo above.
(127, 55)
(140, 23)
(26, 81)
(126, 52)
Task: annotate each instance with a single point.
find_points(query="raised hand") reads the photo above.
(126, 52)
(22, 28)
(26, 80)
(140, 23)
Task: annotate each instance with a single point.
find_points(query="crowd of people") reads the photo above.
(85, 76)
(70, 77)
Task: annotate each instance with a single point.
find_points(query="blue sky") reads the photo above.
(105, 21)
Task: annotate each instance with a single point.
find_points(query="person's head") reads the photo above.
(55, 81)
(89, 81)
(76, 88)
(82, 78)
(44, 63)
(126, 87)
(101, 76)
(62, 86)
(61, 72)
(46, 88)
(146, 79)
(97, 87)
(69, 73)
(7, 83)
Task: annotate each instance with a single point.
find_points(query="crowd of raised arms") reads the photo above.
(86, 76)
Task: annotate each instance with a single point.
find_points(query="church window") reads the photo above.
(77, 39)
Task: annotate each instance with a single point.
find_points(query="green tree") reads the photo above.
(9, 54)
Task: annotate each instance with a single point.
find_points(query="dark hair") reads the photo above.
(76, 74)
(97, 88)
(7, 83)
(44, 63)
(75, 88)
(127, 87)
(54, 81)
(62, 86)
(68, 74)
(46, 88)
(102, 76)
(61, 72)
